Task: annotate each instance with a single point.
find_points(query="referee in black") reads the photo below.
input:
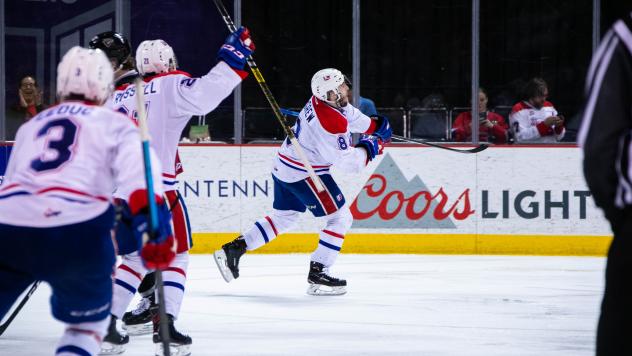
(605, 137)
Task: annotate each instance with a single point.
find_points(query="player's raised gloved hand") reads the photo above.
(373, 146)
(383, 128)
(158, 250)
(236, 49)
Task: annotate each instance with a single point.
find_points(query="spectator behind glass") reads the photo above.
(367, 106)
(28, 104)
(535, 120)
(492, 127)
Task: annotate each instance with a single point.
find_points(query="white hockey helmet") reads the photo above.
(155, 56)
(325, 80)
(86, 72)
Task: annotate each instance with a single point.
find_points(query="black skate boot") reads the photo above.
(138, 321)
(227, 258)
(113, 341)
(320, 283)
(179, 344)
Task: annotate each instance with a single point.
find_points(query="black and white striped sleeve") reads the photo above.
(607, 120)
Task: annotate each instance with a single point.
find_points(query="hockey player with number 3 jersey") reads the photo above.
(55, 205)
(323, 129)
(171, 98)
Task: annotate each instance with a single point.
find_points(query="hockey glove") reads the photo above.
(126, 240)
(383, 128)
(159, 248)
(372, 145)
(236, 49)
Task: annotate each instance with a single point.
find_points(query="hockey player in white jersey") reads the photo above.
(139, 320)
(55, 205)
(171, 98)
(323, 129)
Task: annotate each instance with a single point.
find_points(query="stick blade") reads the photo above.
(479, 148)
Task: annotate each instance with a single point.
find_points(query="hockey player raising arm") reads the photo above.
(55, 211)
(323, 129)
(171, 98)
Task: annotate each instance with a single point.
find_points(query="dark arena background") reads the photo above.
(466, 239)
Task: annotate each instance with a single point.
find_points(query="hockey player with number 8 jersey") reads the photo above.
(323, 129)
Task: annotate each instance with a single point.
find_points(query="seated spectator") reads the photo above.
(535, 120)
(367, 106)
(29, 103)
(492, 127)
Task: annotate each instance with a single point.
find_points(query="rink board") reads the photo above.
(505, 200)
(413, 199)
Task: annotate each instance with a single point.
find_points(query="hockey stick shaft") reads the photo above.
(272, 101)
(153, 210)
(476, 149)
(26, 298)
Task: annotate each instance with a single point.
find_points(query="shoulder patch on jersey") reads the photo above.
(175, 72)
(332, 120)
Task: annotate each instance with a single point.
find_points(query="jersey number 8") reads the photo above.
(342, 143)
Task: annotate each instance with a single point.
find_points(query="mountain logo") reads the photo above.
(389, 200)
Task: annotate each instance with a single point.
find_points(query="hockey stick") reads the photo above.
(476, 149)
(26, 298)
(153, 211)
(275, 107)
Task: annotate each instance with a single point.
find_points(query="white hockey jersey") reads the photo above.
(528, 127)
(324, 133)
(170, 100)
(66, 162)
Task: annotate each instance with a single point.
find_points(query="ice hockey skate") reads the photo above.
(114, 341)
(321, 283)
(227, 259)
(179, 344)
(138, 321)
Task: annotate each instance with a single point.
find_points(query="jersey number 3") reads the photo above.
(60, 136)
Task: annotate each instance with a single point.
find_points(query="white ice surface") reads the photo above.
(396, 305)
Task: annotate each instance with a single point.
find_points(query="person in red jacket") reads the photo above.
(493, 127)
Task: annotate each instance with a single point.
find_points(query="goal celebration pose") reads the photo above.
(171, 98)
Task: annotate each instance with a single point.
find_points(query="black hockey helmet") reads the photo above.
(114, 44)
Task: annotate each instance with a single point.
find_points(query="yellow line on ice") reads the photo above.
(554, 245)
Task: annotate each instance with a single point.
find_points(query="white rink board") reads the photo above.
(227, 188)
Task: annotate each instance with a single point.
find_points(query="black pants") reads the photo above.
(614, 333)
